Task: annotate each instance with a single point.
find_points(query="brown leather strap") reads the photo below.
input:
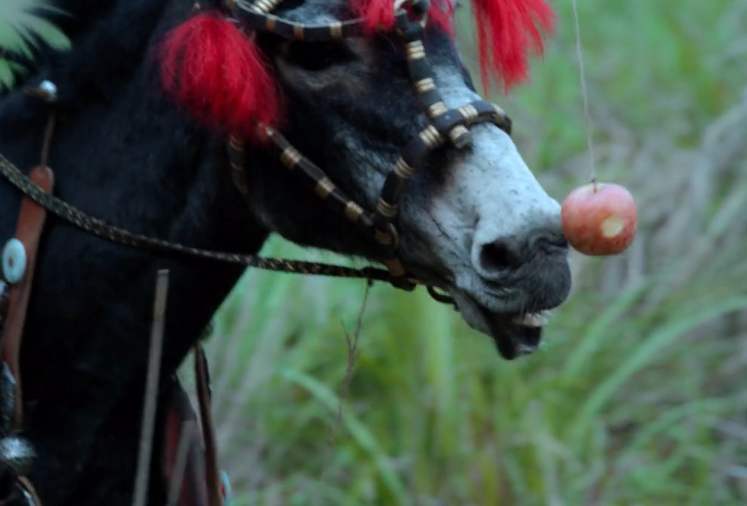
(28, 487)
(208, 434)
(183, 459)
(22, 494)
(28, 230)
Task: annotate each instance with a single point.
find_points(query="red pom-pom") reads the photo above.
(379, 14)
(441, 15)
(506, 29)
(217, 73)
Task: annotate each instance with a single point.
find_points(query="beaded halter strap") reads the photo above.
(447, 127)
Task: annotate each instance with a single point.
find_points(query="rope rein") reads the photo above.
(100, 228)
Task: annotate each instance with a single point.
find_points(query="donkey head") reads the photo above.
(473, 219)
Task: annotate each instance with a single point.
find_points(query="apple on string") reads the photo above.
(599, 218)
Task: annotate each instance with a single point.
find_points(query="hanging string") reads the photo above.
(585, 94)
(352, 341)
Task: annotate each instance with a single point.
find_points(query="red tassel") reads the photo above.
(506, 30)
(217, 73)
(441, 15)
(379, 14)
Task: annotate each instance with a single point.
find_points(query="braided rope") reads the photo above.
(103, 230)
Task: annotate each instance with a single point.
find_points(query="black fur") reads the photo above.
(124, 153)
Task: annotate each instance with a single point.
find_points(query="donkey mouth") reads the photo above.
(514, 334)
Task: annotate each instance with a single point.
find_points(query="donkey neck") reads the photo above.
(123, 153)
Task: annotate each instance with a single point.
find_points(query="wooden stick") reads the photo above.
(151, 389)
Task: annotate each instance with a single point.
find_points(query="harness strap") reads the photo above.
(183, 453)
(28, 231)
(444, 125)
(103, 230)
(212, 478)
(29, 492)
(19, 261)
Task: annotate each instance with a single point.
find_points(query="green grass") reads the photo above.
(622, 404)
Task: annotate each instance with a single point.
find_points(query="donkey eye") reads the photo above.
(316, 56)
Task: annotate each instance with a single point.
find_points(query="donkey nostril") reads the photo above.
(497, 256)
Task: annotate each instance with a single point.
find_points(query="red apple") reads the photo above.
(599, 218)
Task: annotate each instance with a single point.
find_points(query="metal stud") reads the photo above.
(431, 137)
(290, 157)
(14, 261)
(335, 30)
(402, 169)
(468, 112)
(437, 109)
(46, 90)
(353, 211)
(460, 136)
(425, 85)
(265, 6)
(386, 209)
(415, 50)
(324, 187)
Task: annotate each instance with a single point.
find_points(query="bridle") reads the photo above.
(445, 128)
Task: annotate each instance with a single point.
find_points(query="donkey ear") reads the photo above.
(211, 68)
(506, 30)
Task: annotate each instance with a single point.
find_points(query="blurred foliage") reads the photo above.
(22, 29)
(638, 394)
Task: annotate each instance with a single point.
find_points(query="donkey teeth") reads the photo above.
(539, 319)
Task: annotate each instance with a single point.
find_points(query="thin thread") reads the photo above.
(352, 347)
(585, 94)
